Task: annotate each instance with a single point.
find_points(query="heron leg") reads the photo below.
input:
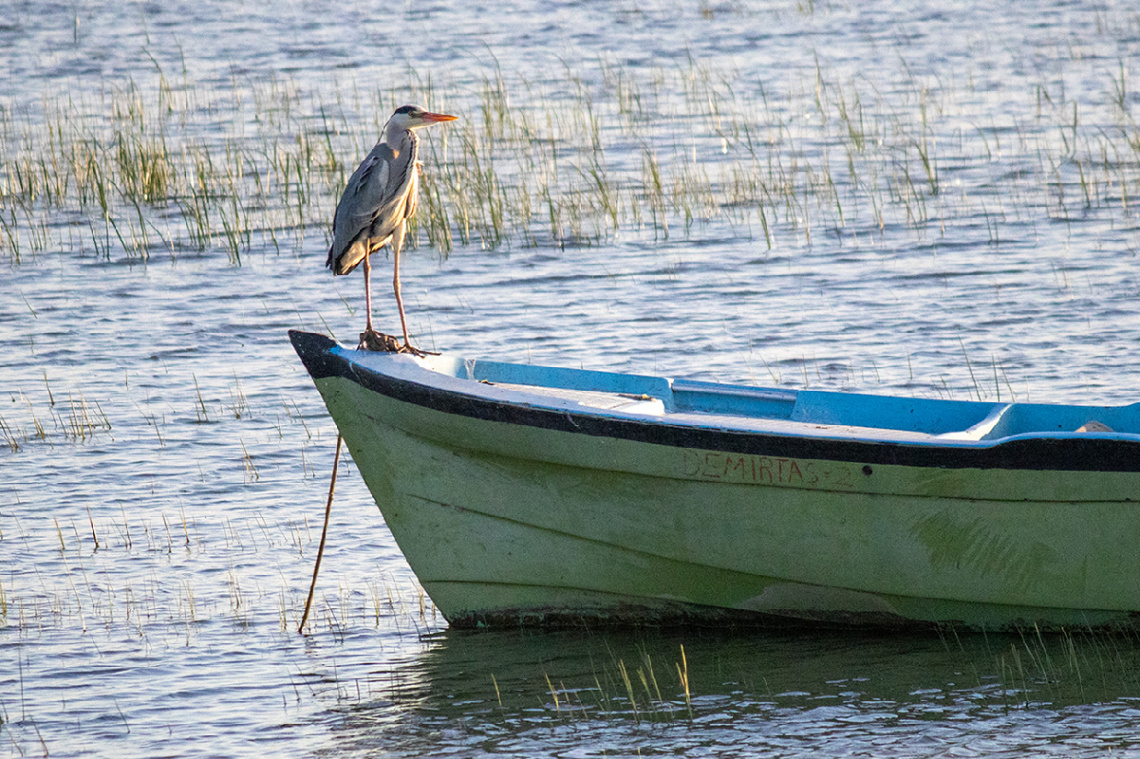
(397, 245)
(368, 293)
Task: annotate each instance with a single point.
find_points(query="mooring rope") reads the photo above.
(324, 534)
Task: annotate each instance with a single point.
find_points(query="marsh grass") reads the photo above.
(1012, 671)
(619, 690)
(578, 159)
(72, 419)
(154, 601)
(1073, 666)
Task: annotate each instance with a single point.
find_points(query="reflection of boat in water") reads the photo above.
(524, 494)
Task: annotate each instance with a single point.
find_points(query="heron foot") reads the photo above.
(371, 340)
(409, 348)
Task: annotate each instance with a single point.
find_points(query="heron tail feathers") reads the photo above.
(348, 259)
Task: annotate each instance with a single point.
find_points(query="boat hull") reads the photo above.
(508, 523)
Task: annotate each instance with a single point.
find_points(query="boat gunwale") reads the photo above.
(1036, 451)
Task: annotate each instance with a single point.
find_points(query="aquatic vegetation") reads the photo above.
(74, 419)
(149, 166)
(1001, 674)
(152, 601)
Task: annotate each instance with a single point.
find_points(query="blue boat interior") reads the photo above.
(965, 420)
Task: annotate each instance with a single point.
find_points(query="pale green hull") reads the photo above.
(505, 523)
(526, 523)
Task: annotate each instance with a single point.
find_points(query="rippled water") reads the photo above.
(165, 458)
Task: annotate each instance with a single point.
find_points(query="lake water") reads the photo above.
(892, 199)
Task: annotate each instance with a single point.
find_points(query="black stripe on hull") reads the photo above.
(1028, 454)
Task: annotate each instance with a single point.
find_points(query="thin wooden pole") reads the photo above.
(324, 534)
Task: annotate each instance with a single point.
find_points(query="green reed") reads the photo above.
(575, 159)
(74, 419)
(621, 689)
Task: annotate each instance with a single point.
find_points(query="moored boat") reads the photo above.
(536, 495)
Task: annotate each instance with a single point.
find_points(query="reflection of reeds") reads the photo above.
(573, 160)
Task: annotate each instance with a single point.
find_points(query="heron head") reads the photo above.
(414, 117)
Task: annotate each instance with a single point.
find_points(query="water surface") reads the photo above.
(165, 458)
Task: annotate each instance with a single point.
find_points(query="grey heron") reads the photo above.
(376, 204)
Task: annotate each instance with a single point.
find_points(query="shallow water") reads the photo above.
(165, 457)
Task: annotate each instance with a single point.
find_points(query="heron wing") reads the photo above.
(372, 204)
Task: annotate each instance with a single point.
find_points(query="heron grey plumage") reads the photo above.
(378, 200)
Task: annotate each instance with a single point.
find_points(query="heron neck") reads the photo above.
(400, 139)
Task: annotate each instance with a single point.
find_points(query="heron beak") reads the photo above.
(436, 118)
